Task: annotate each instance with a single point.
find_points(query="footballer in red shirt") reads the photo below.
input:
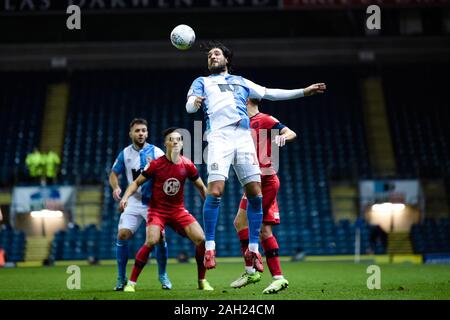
(261, 125)
(166, 208)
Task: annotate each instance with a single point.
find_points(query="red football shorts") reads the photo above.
(176, 220)
(269, 185)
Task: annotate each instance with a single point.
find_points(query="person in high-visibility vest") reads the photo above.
(35, 163)
(52, 160)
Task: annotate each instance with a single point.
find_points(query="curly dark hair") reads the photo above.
(227, 52)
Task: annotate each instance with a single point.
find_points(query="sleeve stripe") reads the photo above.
(194, 177)
(279, 126)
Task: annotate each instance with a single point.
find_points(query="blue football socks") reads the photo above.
(255, 218)
(162, 254)
(210, 215)
(122, 257)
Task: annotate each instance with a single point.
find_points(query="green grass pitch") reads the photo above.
(307, 280)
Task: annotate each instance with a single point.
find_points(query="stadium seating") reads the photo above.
(13, 242)
(421, 137)
(431, 236)
(331, 144)
(419, 123)
(22, 97)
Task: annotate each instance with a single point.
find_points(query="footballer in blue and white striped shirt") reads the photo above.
(222, 97)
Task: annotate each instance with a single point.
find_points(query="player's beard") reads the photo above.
(138, 144)
(218, 69)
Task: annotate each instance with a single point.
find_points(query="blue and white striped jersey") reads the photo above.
(131, 162)
(225, 99)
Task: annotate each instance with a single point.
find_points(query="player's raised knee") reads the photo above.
(124, 234)
(216, 188)
(217, 193)
(253, 189)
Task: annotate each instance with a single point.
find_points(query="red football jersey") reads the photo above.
(261, 125)
(168, 181)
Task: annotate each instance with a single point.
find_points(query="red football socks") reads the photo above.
(140, 262)
(243, 237)
(270, 247)
(199, 255)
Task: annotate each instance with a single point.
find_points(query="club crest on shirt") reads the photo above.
(171, 186)
(215, 166)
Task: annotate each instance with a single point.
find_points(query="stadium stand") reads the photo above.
(419, 123)
(13, 242)
(431, 236)
(25, 92)
(421, 136)
(331, 144)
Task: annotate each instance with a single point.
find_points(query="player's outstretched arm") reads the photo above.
(201, 188)
(282, 94)
(194, 103)
(114, 183)
(132, 188)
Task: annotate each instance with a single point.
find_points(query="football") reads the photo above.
(182, 37)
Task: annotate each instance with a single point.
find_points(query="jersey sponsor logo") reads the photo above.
(171, 186)
(228, 87)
